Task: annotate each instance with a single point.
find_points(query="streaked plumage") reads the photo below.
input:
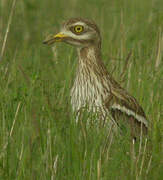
(94, 87)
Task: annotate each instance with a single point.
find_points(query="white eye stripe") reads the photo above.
(80, 24)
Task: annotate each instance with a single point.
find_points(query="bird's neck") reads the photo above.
(90, 53)
(91, 76)
(90, 59)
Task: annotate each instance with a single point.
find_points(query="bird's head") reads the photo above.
(78, 32)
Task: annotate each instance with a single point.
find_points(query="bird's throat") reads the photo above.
(90, 58)
(91, 54)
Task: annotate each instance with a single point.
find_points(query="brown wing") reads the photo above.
(125, 108)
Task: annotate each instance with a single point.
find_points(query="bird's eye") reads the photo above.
(78, 28)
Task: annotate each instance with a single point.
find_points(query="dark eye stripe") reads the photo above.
(81, 41)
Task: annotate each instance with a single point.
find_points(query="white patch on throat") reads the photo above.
(91, 53)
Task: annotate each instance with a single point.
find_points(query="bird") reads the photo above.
(94, 88)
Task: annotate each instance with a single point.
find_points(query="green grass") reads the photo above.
(39, 138)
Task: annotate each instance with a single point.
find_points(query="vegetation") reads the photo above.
(39, 138)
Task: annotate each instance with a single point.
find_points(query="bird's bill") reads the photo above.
(54, 38)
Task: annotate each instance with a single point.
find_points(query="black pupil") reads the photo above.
(78, 29)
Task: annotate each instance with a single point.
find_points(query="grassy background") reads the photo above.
(38, 136)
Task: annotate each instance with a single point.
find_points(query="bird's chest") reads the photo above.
(88, 91)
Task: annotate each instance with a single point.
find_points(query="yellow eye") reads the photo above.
(78, 28)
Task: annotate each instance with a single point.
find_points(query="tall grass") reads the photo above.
(39, 138)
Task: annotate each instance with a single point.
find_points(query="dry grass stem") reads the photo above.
(149, 164)
(55, 164)
(143, 158)
(11, 131)
(129, 75)
(16, 114)
(7, 29)
(159, 48)
(99, 169)
(133, 158)
(125, 67)
(108, 140)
